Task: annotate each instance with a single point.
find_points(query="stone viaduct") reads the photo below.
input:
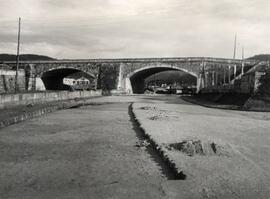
(127, 75)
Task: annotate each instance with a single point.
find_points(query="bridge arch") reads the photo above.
(136, 80)
(53, 78)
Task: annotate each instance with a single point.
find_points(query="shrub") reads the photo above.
(264, 88)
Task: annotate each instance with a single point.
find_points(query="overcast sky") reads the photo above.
(136, 28)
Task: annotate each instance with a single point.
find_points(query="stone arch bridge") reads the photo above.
(127, 75)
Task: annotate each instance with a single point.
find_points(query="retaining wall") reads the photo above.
(11, 100)
(7, 80)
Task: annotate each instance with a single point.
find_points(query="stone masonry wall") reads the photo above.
(11, 100)
(108, 76)
(7, 81)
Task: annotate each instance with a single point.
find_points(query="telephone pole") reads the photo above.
(234, 49)
(243, 62)
(18, 56)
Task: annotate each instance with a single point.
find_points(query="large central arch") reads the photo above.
(137, 78)
(53, 78)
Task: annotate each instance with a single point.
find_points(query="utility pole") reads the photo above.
(243, 62)
(18, 56)
(234, 52)
(234, 49)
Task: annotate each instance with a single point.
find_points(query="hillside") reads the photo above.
(24, 57)
(261, 57)
(170, 77)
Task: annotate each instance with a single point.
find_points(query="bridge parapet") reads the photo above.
(132, 60)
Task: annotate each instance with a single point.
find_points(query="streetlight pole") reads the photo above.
(18, 56)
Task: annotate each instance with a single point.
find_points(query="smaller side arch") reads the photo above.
(53, 78)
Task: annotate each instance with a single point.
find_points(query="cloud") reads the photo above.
(128, 28)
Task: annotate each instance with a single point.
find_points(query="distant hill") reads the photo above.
(24, 57)
(261, 57)
(79, 75)
(170, 77)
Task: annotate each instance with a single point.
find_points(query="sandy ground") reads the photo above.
(92, 152)
(89, 152)
(224, 154)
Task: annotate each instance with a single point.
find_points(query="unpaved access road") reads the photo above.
(88, 152)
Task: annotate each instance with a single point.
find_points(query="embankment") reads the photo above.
(234, 101)
(13, 100)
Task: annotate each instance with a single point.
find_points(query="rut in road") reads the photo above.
(166, 168)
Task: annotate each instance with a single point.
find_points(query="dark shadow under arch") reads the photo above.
(53, 79)
(137, 78)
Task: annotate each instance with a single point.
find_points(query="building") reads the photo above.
(79, 81)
